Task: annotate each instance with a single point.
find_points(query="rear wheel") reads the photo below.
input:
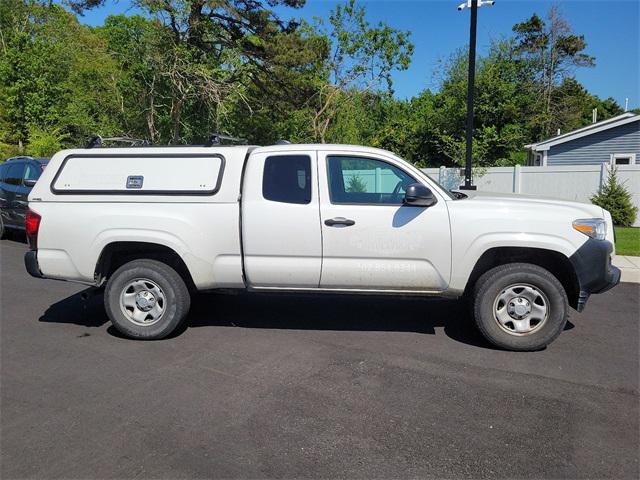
(2, 231)
(520, 306)
(146, 299)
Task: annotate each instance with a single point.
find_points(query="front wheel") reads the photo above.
(520, 306)
(146, 299)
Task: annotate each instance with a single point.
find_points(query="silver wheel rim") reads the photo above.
(142, 302)
(521, 309)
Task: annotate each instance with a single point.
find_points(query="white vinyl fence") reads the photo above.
(378, 180)
(576, 183)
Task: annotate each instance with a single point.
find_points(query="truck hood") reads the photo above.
(589, 209)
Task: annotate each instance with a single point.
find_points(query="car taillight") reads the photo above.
(32, 225)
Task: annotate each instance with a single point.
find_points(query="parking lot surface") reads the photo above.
(294, 386)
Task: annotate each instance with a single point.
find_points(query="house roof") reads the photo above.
(584, 131)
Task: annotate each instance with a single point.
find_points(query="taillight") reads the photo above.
(32, 225)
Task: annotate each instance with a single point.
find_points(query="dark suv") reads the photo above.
(17, 176)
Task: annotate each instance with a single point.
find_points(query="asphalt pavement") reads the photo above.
(300, 386)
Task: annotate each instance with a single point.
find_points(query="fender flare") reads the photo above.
(463, 268)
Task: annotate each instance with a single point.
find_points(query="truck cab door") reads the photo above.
(371, 241)
(280, 220)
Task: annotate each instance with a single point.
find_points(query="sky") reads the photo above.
(611, 29)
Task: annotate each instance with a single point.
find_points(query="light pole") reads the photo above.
(473, 5)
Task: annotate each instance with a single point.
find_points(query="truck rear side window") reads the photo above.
(287, 179)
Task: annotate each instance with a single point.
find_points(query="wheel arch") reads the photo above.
(117, 253)
(555, 262)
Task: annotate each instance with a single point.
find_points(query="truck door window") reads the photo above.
(287, 179)
(359, 180)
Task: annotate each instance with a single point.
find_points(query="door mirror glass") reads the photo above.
(418, 195)
(28, 182)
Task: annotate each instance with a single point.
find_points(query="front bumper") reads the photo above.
(595, 273)
(31, 264)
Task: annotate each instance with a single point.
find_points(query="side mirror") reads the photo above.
(29, 183)
(418, 195)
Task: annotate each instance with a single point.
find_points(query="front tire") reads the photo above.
(146, 299)
(520, 306)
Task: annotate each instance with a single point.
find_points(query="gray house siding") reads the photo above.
(597, 148)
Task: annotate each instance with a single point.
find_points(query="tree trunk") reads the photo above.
(176, 112)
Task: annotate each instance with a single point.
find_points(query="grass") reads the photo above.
(628, 241)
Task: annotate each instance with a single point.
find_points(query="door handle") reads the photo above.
(332, 222)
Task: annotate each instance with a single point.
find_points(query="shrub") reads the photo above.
(45, 142)
(8, 150)
(615, 198)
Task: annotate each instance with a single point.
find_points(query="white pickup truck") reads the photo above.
(155, 224)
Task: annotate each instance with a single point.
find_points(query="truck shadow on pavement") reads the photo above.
(77, 310)
(298, 312)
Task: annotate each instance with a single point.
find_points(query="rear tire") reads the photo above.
(146, 299)
(520, 306)
(2, 229)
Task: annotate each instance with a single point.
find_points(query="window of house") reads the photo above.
(287, 179)
(623, 159)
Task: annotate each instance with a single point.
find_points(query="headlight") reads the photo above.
(592, 227)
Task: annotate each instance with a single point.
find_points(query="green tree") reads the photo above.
(44, 142)
(212, 51)
(574, 106)
(361, 60)
(276, 101)
(606, 108)
(136, 44)
(616, 199)
(184, 68)
(500, 106)
(54, 73)
(409, 128)
(553, 52)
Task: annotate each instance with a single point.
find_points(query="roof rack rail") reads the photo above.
(282, 141)
(217, 139)
(98, 141)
